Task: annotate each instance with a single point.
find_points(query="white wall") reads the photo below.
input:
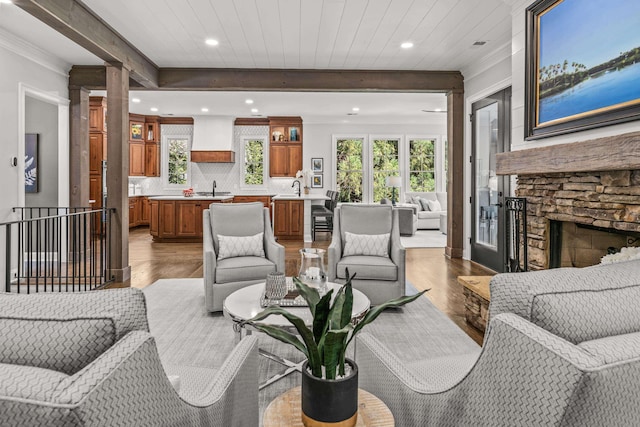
(16, 69)
(42, 118)
(518, 98)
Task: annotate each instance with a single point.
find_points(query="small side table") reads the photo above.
(286, 411)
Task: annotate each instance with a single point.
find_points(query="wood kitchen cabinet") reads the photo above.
(133, 212)
(97, 113)
(97, 152)
(145, 211)
(288, 219)
(178, 220)
(285, 146)
(95, 191)
(266, 201)
(136, 159)
(152, 146)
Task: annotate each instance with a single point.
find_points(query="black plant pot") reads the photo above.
(325, 402)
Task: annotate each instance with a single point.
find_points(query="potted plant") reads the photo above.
(329, 387)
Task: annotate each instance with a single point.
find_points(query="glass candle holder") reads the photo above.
(313, 269)
(275, 286)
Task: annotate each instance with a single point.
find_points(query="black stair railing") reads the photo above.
(56, 249)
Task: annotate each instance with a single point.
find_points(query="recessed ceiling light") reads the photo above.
(254, 110)
(406, 45)
(136, 100)
(438, 109)
(355, 109)
(248, 101)
(205, 110)
(479, 43)
(211, 42)
(154, 109)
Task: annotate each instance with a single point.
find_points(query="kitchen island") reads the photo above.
(179, 218)
(292, 215)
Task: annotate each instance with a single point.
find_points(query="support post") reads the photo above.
(455, 174)
(79, 147)
(118, 168)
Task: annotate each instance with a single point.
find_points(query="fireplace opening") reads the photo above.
(581, 245)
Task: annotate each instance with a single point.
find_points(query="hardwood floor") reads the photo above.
(427, 268)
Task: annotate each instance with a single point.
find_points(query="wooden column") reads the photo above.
(455, 174)
(78, 147)
(118, 168)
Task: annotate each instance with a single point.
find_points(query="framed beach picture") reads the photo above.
(31, 163)
(316, 181)
(582, 65)
(317, 165)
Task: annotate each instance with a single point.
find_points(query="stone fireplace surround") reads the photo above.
(596, 183)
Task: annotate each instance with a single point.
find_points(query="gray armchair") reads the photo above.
(88, 359)
(562, 349)
(223, 277)
(380, 278)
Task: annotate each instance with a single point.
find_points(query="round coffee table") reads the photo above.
(244, 304)
(286, 411)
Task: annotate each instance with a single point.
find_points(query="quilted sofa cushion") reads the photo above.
(78, 326)
(367, 267)
(29, 382)
(617, 348)
(243, 269)
(577, 304)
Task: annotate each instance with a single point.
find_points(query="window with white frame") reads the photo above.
(385, 163)
(176, 168)
(253, 171)
(350, 169)
(422, 164)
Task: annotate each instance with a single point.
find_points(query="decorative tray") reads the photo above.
(291, 299)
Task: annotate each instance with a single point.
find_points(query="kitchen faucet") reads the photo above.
(297, 188)
(213, 190)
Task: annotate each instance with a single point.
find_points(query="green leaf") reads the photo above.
(310, 295)
(320, 320)
(373, 313)
(307, 336)
(335, 343)
(282, 335)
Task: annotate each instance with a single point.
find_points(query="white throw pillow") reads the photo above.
(235, 246)
(434, 205)
(366, 244)
(416, 201)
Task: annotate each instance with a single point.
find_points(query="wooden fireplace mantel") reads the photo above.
(619, 152)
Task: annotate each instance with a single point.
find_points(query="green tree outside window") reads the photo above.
(349, 176)
(254, 162)
(178, 161)
(385, 164)
(422, 165)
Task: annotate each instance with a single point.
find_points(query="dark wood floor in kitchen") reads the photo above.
(427, 268)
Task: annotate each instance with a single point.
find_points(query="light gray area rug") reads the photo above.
(425, 239)
(186, 334)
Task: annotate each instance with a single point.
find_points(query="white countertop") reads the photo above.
(301, 197)
(227, 197)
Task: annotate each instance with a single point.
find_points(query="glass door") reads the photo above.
(491, 135)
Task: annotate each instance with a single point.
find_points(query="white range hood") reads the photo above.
(212, 139)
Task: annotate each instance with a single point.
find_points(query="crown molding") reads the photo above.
(23, 48)
(486, 62)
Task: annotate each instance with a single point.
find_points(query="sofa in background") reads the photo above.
(562, 349)
(427, 219)
(76, 359)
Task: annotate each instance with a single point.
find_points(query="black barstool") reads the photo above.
(322, 215)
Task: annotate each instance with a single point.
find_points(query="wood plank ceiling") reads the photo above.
(311, 34)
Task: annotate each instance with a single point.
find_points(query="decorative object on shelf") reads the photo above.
(329, 390)
(136, 131)
(317, 165)
(576, 80)
(393, 182)
(31, 163)
(306, 190)
(313, 269)
(276, 285)
(293, 134)
(316, 181)
(188, 192)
